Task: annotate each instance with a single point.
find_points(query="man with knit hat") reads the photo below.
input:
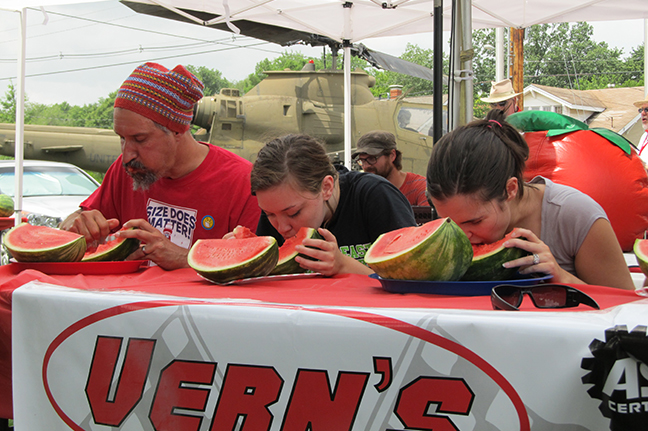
(172, 188)
(503, 97)
(643, 142)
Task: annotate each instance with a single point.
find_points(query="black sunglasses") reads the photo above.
(509, 297)
(499, 104)
(640, 110)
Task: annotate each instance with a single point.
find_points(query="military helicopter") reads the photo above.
(305, 101)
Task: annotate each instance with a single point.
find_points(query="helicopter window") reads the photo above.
(418, 120)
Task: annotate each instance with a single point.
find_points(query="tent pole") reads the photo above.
(466, 60)
(347, 106)
(20, 119)
(499, 54)
(437, 96)
(645, 57)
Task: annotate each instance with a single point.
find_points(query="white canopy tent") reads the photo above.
(20, 7)
(352, 22)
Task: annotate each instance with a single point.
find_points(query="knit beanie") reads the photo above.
(164, 96)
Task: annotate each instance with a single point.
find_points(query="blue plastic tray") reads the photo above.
(456, 288)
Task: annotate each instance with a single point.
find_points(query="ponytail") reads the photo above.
(479, 157)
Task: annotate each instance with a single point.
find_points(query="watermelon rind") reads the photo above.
(116, 250)
(26, 243)
(287, 264)
(640, 250)
(488, 267)
(204, 258)
(441, 252)
(6, 205)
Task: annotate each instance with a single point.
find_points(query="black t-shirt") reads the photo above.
(369, 206)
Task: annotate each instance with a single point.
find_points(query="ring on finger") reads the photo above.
(144, 249)
(536, 259)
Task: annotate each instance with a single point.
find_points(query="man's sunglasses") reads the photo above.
(641, 110)
(509, 297)
(499, 104)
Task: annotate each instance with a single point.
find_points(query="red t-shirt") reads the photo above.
(414, 189)
(207, 203)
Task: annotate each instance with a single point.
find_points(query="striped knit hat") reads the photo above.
(164, 96)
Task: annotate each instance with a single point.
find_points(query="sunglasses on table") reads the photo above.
(509, 297)
(642, 110)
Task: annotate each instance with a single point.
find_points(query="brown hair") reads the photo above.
(298, 158)
(479, 157)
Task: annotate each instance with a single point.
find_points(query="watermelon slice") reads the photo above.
(640, 250)
(437, 250)
(241, 232)
(28, 243)
(113, 250)
(223, 260)
(287, 253)
(488, 259)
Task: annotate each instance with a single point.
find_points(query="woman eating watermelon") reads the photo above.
(296, 186)
(475, 177)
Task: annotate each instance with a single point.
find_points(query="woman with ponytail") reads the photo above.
(475, 177)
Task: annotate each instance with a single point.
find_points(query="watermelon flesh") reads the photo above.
(435, 251)
(241, 232)
(487, 261)
(640, 250)
(287, 254)
(224, 260)
(28, 243)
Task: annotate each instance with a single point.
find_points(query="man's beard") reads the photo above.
(143, 178)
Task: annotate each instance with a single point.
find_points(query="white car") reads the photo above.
(51, 190)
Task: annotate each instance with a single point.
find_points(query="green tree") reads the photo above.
(8, 106)
(411, 85)
(211, 78)
(564, 55)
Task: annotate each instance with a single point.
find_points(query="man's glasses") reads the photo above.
(370, 160)
(641, 110)
(499, 104)
(509, 297)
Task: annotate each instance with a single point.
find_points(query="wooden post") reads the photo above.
(516, 70)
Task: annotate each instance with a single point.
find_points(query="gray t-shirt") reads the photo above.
(567, 217)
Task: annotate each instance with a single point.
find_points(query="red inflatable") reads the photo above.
(592, 164)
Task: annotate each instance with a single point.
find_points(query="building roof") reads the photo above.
(575, 99)
(619, 109)
(612, 107)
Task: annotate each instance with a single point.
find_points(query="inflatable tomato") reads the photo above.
(610, 172)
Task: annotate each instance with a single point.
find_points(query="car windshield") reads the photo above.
(47, 181)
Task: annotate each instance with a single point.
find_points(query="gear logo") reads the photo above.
(619, 375)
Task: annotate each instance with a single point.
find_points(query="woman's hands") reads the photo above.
(541, 259)
(329, 259)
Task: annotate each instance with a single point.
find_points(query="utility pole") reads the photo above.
(516, 71)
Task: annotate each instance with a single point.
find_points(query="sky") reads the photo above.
(85, 51)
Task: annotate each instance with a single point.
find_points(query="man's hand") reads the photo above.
(154, 245)
(91, 224)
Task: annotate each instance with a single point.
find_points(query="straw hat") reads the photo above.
(641, 103)
(500, 91)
